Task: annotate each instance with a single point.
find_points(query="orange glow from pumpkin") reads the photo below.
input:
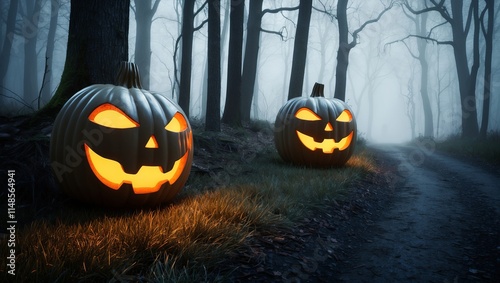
(327, 145)
(328, 127)
(148, 179)
(177, 124)
(110, 116)
(152, 143)
(345, 116)
(307, 114)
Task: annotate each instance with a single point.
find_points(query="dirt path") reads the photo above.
(425, 218)
(443, 224)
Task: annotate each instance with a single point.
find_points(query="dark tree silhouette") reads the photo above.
(420, 22)
(97, 43)
(345, 46)
(212, 119)
(9, 38)
(249, 74)
(49, 51)
(233, 94)
(300, 49)
(467, 77)
(488, 57)
(187, 50)
(251, 55)
(30, 34)
(144, 12)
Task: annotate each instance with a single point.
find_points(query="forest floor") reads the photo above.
(426, 217)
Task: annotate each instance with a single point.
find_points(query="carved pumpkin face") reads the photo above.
(121, 146)
(315, 131)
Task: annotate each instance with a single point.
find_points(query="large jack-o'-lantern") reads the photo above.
(120, 145)
(315, 131)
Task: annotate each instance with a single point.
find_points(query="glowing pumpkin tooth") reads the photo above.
(148, 179)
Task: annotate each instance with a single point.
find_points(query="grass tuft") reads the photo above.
(484, 148)
(182, 242)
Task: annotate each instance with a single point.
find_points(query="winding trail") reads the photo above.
(443, 224)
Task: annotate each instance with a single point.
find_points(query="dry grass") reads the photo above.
(182, 242)
(484, 148)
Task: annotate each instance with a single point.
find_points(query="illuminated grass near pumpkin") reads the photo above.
(186, 240)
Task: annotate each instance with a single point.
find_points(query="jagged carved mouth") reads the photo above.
(148, 179)
(327, 145)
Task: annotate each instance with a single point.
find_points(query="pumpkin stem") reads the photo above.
(128, 75)
(318, 90)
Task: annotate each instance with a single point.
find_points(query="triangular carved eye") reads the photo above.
(345, 116)
(177, 124)
(307, 114)
(110, 116)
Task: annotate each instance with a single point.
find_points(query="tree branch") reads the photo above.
(410, 51)
(438, 7)
(200, 9)
(442, 10)
(132, 7)
(155, 7)
(201, 25)
(280, 33)
(469, 18)
(434, 27)
(176, 48)
(278, 10)
(16, 97)
(357, 31)
(325, 11)
(426, 38)
(481, 20)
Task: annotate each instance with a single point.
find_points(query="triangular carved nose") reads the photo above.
(152, 143)
(328, 127)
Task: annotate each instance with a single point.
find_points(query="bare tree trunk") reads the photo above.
(488, 36)
(212, 119)
(9, 38)
(144, 13)
(421, 25)
(30, 33)
(466, 77)
(49, 52)
(251, 56)
(300, 50)
(343, 51)
(345, 46)
(233, 93)
(466, 80)
(187, 50)
(97, 43)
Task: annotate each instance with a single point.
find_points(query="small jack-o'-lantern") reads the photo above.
(315, 131)
(120, 145)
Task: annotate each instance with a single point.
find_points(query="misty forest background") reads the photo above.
(407, 68)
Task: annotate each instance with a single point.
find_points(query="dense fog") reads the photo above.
(384, 77)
